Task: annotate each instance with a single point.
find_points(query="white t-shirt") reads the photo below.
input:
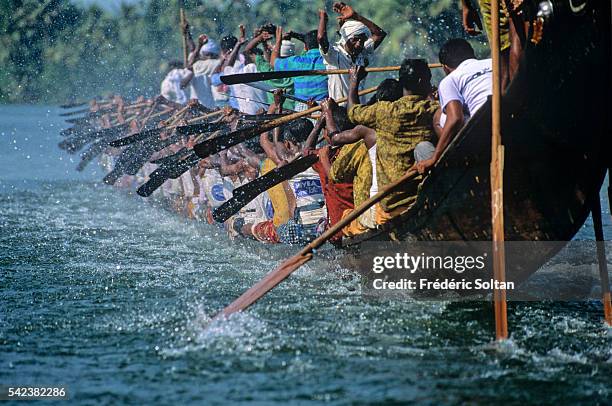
(201, 86)
(337, 58)
(247, 99)
(218, 189)
(470, 84)
(309, 197)
(171, 86)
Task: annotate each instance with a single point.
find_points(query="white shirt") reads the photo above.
(247, 99)
(201, 86)
(171, 86)
(309, 197)
(337, 58)
(218, 189)
(470, 84)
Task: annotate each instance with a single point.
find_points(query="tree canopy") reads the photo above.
(54, 50)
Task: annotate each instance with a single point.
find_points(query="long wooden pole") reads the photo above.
(497, 183)
(182, 21)
(292, 264)
(601, 257)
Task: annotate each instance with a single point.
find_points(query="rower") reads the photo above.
(462, 92)
(245, 98)
(399, 126)
(360, 37)
(174, 87)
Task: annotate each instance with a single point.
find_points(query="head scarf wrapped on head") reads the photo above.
(352, 28)
(211, 47)
(287, 49)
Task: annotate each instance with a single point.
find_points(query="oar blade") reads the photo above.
(140, 136)
(242, 78)
(244, 194)
(228, 140)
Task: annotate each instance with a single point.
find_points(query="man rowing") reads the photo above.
(462, 92)
(359, 38)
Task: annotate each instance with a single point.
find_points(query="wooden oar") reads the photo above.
(225, 141)
(241, 78)
(156, 131)
(243, 195)
(292, 264)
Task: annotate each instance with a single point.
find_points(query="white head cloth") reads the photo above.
(211, 47)
(352, 28)
(287, 49)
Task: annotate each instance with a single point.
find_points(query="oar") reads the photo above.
(156, 131)
(225, 141)
(243, 195)
(171, 170)
(271, 89)
(292, 264)
(259, 76)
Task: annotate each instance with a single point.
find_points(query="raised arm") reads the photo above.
(277, 46)
(187, 34)
(231, 59)
(313, 137)
(322, 32)
(347, 13)
(357, 74)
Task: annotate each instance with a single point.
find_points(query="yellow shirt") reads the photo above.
(352, 165)
(277, 196)
(399, 126)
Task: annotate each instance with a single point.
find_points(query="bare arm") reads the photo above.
(313, 137)
(471, 20)
(277, 46)
(322, 32)
(454, 123)
(347, 13)
(231, 59)
(357, 74)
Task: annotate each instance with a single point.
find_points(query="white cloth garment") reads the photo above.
(337, 58)
(211, 48)
(309, 198)
(201, 85)
(246, 99)
(218, 189)
(470, 84)
(287, 49)
(171, 86)
(352, 28)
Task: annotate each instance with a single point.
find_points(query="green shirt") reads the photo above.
(287, 83)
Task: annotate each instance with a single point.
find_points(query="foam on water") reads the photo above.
(114, 297)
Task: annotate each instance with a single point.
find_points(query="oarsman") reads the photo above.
(246, 98)
(389, 90)
(305, 87)
(359, 38)
(510, 32)
(175, 86)
(399, 127)
(462, 92)
(203, 62)
(263, 35)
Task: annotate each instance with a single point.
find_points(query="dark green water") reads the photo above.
(109, 295)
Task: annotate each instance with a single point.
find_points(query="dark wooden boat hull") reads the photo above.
(556, 132)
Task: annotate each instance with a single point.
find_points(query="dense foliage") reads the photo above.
(54, 50)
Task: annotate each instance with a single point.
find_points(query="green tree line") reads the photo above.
(53, 50)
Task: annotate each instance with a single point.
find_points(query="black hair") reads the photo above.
(310, 40)
(388, 90)
(415, 76)
(455, 51)
(340, 116)
(254, 145)
(298, 130)
(228, 43)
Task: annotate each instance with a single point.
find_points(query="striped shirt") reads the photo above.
(305, 87)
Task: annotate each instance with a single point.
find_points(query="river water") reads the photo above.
(110, 296)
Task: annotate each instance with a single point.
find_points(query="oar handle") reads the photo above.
(374, 69)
